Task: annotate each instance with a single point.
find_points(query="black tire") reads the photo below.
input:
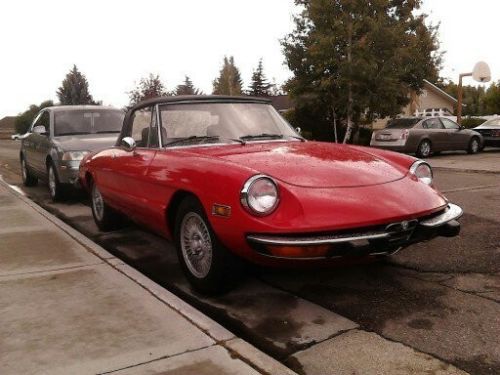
(56, 190)
(221, 272)
(424, 149)
(474, 146)
(105, 217)
(28, 178)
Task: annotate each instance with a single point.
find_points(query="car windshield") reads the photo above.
(493, 122)
(222, 122)
(73, 122)
(402, 123)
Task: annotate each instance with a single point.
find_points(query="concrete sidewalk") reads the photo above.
(69, 307)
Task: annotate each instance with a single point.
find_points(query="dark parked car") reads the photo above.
(490, 130)
(426, 135)
(58, 140)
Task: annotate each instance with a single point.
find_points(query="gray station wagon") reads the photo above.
(58, 140)
(425, 136)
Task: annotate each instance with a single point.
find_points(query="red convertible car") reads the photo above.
(227, 178)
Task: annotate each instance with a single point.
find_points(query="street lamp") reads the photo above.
(480, 73)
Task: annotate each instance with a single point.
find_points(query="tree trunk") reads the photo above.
(350, 125)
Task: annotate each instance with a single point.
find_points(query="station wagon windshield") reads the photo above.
(222, 122)
(76, 122)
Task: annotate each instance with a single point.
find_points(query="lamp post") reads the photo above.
(480, 73)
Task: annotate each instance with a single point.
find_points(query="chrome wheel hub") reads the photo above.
(196, 245)
(97, 203)
(52, 182)
(474, 146)
(425, 149)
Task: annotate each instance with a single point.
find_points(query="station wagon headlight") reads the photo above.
(259, 195)
(74, 155)
(422, 171)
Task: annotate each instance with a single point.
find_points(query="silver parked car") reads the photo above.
(425, 136)
(58, 140)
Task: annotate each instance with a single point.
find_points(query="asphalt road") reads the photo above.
(440, 299)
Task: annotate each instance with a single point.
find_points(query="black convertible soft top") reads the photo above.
(198, 98)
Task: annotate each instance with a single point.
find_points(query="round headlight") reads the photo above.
(260, 195)
(422, 171)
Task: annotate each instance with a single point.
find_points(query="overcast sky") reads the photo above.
(115, 43)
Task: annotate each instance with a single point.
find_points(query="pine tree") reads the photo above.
(148, 87)
(259, 85)
(229, 81)
(74, 89)
(355, 60)
(187, 88)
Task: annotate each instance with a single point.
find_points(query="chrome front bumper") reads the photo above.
(392, 236)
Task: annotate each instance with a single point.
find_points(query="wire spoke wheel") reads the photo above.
(97, 203)
(196, 245)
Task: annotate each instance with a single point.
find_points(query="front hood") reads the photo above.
(88, 142)
(310, 164)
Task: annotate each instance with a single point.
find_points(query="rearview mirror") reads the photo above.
(40, 130)
(128, 144)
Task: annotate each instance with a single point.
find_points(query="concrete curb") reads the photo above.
(245, 351)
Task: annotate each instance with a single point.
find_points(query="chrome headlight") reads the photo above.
(422, 171)
(74, 155)
(260, 195)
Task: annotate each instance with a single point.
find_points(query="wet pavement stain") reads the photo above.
(421, 324)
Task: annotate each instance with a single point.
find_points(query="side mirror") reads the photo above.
(40, 130)
(128, 144)
(298, 130)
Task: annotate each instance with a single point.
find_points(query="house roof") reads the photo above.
(440, 91)
(282, 102)
(7, 123)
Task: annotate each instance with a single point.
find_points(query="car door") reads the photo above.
(455, 138)
(435, 132)
(41, 143)
(28, 145)
(130, 180)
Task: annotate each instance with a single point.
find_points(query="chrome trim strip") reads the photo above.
(453, 212)
(320, 240)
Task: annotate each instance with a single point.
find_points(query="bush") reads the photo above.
(472, 122)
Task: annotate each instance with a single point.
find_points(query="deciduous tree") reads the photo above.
(356, 60)
(147, 88)
(24, 120)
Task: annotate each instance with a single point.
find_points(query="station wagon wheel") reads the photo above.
(56, 190)
(105, 217)
(424, 149)
(28, 178)
(207, 264)
(474, 146)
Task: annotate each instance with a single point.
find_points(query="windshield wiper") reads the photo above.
(194, 138)
(261, 136)
(107, 131)
(302, 139)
